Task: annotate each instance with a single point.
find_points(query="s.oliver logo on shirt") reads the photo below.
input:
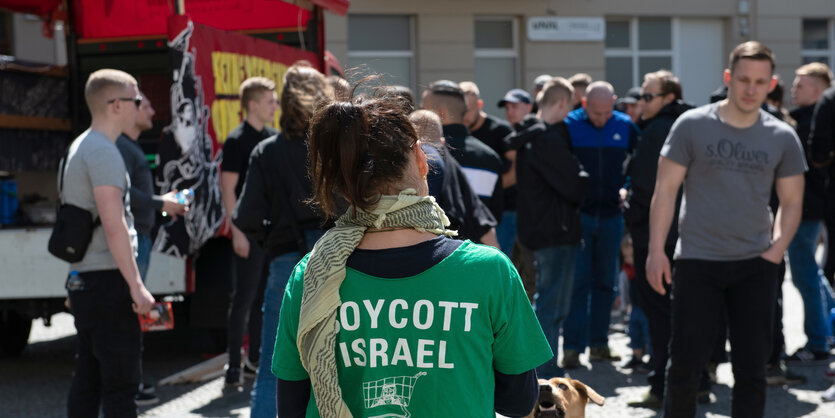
(735, 156)
(423, 315)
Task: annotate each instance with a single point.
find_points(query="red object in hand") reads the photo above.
(159, 318)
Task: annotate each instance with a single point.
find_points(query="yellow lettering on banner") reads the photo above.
(230, 70)
(226, 115)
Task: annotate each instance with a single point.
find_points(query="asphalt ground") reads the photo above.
(36, 383)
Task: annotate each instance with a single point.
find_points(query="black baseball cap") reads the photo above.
(632, 96)
(516, 96)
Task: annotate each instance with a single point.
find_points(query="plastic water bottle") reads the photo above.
(75, 282)
(185, 197)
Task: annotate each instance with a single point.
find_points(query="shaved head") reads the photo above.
(599, 102)
(600, 90)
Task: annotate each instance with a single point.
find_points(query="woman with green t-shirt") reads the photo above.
(388, 315)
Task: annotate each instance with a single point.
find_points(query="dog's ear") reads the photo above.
(587, 392)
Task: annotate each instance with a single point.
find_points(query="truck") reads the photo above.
(42, 109)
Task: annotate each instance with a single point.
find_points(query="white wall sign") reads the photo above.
(550, 28)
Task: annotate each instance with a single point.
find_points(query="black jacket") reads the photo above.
(480, 163)
(814, 193)
(272, 209)
(822, 138)
(447, 182)
(642, 170)
(551, 185)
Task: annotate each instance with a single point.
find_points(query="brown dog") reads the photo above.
(564, 398)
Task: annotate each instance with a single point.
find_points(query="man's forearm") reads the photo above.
(661, 212)
(786, 223)
(119, 244)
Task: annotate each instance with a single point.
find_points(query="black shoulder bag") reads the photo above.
(73, 229)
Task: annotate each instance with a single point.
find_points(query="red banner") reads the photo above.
(207, 68)
(112, 18)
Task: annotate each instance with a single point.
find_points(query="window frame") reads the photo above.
(636, 54)
(499, 52)
(513, 53)
(815, 53)
(368, 54)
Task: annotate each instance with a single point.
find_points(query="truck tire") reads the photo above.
(14, 329)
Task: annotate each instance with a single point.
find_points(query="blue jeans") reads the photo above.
(263, 403)
(554, 278)
(639, 330)
(506, 231)
(807, 277)
(595, 284)
(143, 254)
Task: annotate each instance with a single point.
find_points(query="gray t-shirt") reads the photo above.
(730, 173)
(91, 162)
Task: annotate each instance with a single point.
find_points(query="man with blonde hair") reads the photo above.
(551, 187)
(110, 292)
(809, 83)
(259, 103)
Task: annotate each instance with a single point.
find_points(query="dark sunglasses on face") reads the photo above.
(136, 100)
(647, 97)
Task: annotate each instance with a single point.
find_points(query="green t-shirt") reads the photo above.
(426, 345)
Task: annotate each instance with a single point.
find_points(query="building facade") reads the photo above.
(504, 44)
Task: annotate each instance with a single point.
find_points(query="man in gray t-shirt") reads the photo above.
(728, 156)
(107, 292)
(730, 173)
(94, 161)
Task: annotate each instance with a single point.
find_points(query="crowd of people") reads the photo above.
(483, 242)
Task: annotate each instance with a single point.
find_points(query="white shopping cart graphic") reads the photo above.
(390, 391)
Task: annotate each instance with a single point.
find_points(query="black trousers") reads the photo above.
(656, 307)
(245, 307)
(747, 290)
(107, 348)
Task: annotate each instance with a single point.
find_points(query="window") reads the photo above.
(635, 47)
(819, 41)
(5, 33)
(382, 44)
(496, 60)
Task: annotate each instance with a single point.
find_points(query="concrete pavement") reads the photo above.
(36, 384)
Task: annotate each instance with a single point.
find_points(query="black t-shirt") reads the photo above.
(494, 133)
(397, 263)
(237, 148)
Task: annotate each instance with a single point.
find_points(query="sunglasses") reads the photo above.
(136, 100)
(647, 97)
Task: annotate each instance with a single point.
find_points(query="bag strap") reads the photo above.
(61, 172)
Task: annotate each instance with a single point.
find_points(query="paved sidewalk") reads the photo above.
(47, 365)
(619, 386)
